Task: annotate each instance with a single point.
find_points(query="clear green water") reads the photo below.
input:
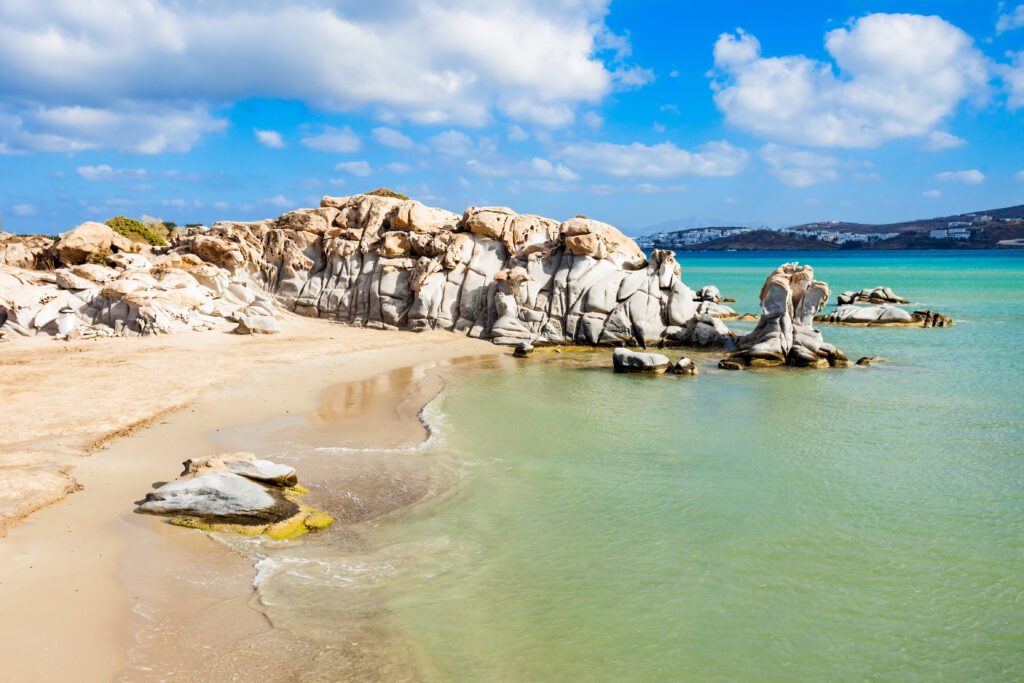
(865, 523)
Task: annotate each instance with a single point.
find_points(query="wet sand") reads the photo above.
(89, 587)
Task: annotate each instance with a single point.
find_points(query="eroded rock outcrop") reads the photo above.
(884, 315)
(626, 360)
(491, 273)
(877, 295)
(785, 333)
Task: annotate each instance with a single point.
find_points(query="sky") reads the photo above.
(637, 113)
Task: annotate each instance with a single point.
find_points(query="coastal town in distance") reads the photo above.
(994, 228)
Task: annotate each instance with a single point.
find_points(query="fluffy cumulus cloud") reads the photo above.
(333, 140)
(358, 168)
(940, 139)
(1013, 79)
(663, 160)
(1010, 20)
(24, 210)
(971, 177)
(460, 63)
(798, 167)
(534, 168)
(127, 126)
(269, 138)
(894, 76)
(389, 137)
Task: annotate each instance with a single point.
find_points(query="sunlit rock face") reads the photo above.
(785, 333)
(490, 273)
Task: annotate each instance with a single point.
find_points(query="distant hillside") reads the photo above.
(977, 230)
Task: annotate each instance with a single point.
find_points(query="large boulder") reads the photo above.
(235, 492)
(625, 360)
(785, 331)
(77, 245)
(884, 315)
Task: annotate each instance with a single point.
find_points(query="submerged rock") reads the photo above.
(785, 334)
(625, 360)
(878, 295)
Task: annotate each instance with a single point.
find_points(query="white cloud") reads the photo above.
(1013, 79)
(457, 62)
(359, 168)
(664, 160)
(279, 201)
(452, 143)
(389, 137)
(899, 76)
(399, 167)
(1019, 176)
(932, 193)
(104, 172)
(269, 138)
(940, 139)
(517, 134)
(130, 127)
(1010, 20)
(24, 210)
(593, 120)
(798, 167)
(658, 127)
(971, 177)
(333, 140)
(534, 168)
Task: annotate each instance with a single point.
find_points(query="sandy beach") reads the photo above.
(106, 419)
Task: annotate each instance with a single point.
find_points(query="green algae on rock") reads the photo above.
(239, 493)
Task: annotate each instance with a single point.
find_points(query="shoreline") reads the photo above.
(60, 566)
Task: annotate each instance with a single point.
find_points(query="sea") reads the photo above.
(775, 524)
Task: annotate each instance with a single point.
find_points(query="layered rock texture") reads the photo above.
(884, 315)
(490, 273)
(108, 285)
(236, 492)
(391, 263)
(877, 295)
(785, 334)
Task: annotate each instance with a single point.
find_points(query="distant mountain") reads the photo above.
(991, 228)
(689, 223)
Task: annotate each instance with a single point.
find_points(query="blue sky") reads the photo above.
(634, 113)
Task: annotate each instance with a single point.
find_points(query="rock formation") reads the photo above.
(490, 273)
(785, 333)
(878, 295)
(883, 316)
(121, 292)
(236, 492)
(625, 360)
(391, 263)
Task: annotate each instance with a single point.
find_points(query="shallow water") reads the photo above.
(775, 524)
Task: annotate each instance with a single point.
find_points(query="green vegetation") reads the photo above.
(99, 257)
(385, 192)
(193, 225)
(131, 228)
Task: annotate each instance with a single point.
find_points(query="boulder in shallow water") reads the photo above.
(881, 316)
(239, 493)
(785, 332)
(684, 366)
(624, 360)
(523, 350)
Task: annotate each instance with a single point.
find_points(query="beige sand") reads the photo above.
(65, 610)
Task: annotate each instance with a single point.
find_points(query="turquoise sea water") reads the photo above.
(777, 524)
